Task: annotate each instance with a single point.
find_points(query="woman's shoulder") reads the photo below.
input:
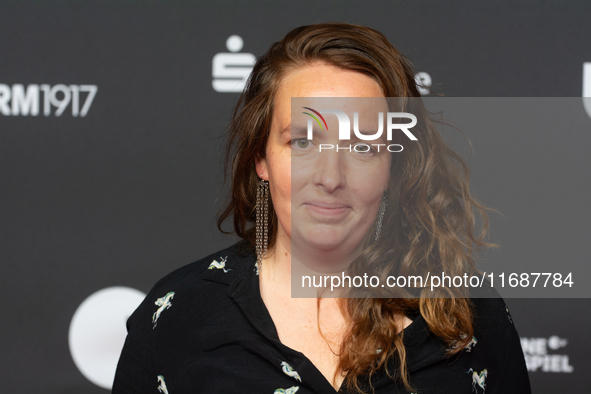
(193, 286)
(181, 313)
(491, 312)
(219, 266)
(496, 344)
(496, 336)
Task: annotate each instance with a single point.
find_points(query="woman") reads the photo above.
(228, 323)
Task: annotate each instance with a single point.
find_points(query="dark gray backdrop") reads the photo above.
(127, 193)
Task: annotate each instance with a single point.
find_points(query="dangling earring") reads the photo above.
(381, 212)
(262, 228)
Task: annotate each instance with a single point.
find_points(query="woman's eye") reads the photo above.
(301, 143)
(363, 149)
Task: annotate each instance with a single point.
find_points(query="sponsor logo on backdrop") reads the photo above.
(230, 71)
(546, 354)
(587, 87)
(424, 82)
(97, 332)
(57, 100)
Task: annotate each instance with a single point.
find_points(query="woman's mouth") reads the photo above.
(326, 209)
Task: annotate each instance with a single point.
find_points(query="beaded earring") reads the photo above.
(262, 223)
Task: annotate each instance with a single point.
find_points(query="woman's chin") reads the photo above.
(322, 242)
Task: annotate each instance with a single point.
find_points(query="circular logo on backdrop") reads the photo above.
(97, 332)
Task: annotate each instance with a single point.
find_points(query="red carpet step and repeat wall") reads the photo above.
(111, 170)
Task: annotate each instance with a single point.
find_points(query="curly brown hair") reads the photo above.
(431, 220)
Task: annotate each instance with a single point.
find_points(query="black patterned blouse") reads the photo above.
(205, 329)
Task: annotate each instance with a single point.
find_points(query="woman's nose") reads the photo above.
(330, 171)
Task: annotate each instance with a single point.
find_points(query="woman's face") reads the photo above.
(325, 201)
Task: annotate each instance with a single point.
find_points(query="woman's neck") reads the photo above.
(292, 273)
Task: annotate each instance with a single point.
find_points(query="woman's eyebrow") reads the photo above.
(286, 129)
(296, 131)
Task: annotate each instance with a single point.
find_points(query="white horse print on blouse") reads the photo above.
(478, 379)
(471, 344)
(290, 390)
(163, 303)
(289, 371)
(162, 385)
(221, 265)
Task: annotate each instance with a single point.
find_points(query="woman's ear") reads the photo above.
(261, 168)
